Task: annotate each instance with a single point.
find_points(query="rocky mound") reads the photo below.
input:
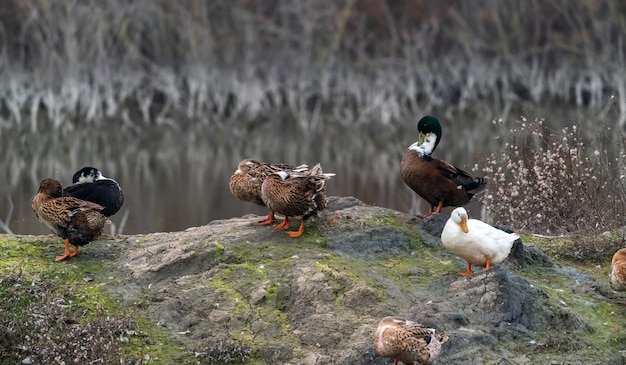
(251, 293)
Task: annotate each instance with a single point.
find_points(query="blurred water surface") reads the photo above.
(175, 173)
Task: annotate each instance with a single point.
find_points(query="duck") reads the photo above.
(436, 181)
(407, 341)
(617, 278)
(245, 183)
(296, 194)
(89, 184)
(76, 221)
(475, 241)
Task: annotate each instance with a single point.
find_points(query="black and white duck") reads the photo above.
(89, 184)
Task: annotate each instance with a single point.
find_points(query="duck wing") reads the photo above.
(494, 242)
(417, 330)
(59, 211)
(106, 193)
(458, 176)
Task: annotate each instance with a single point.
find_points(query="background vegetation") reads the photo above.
(557, 182)
(223, 68)
(91, 59)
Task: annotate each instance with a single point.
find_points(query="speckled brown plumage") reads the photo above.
(245, 183)
(77, 221)
(407, 341)
(617, 278)
(296, 194)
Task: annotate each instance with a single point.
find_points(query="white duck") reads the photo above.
(476, 242)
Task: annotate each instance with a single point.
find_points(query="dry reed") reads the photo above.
(556, 182)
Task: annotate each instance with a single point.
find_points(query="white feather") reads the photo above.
(482, 240)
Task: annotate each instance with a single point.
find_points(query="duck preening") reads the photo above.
(89, 184)
(617, 278)
(407, 341)
(437, 181)
(76, 221)
(245, 183)
(296, 194)
(476, 242)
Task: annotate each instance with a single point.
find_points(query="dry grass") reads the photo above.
(556, 182)
(223, 352)
(65, 62)
(40, 326)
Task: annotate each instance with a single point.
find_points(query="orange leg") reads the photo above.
(439, 206)
(488, 266)
(75, 252)
(469, 270)
(395, 361)
(284, 224)
(299, 232)
(66, 253)
(431, 210)
(268, 220)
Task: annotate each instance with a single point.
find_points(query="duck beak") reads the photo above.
(463, 225)
(422, 138)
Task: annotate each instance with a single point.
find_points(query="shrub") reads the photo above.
(543, 181)
(39, 326)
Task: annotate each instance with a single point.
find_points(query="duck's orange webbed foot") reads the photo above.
(299, 232)
(66, 253)
(284, 224)
(488, 265)
(268, 220)
(468, 272)
(75, 252)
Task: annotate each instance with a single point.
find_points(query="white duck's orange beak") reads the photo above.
(463, 225)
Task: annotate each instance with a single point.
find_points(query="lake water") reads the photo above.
(175, 175)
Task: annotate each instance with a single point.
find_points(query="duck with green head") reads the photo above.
(437, 181)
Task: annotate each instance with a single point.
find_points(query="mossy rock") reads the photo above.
(235, 292)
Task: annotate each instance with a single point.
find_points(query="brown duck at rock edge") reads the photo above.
(245, 183)
(294, 194)
(76, 221)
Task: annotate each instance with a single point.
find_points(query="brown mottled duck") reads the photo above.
(76, 221)
(296, 194)
(245, 183)
(407, 341)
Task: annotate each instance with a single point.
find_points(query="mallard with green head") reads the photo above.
(77, 221)
(438, 182)
(407, 341)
